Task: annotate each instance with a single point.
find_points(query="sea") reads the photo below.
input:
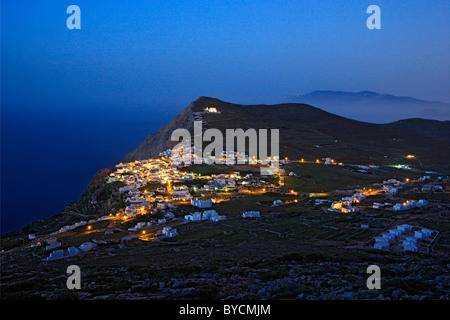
(48, 160)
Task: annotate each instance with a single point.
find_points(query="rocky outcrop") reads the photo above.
(160, 141)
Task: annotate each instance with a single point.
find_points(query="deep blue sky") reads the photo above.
(155, 54)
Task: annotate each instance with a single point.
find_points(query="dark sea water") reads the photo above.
(47, 161)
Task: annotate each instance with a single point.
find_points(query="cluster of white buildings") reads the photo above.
(392, 186)
(71, 251)
(410, 242)
(345, 205)
(139, 173)
(378, 205)
(409, 204)
(210, 215)
(221, 182)
(80, 224)
(432, 188)
(201, 203)
(211, 110)
(390, 189)
(139, 226)
(169, 232)
(181, 193)
(434, 184)
(384, 240)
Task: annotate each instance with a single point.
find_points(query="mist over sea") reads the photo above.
(48, 160)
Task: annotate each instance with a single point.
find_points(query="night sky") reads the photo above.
(133, 54)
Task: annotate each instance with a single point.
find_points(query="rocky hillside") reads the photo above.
(160, 141)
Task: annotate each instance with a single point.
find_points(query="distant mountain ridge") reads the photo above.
(374, 107)
(309, 132)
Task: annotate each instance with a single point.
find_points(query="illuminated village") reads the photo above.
(155, 187)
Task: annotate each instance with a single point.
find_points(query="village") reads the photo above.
(153, 189)
(168, 213)
(156, 193)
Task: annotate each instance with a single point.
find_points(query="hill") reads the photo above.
(309, 132)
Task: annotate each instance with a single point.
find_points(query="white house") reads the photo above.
(201, 203)
(72, 251)
(251, 214)
(410, 204)
(180, 193)
(87, 246)
(421, 203)
(404, 228)
(426, 232)
(161, 205)
(53, 245)
(211, 110)
(209, 214)
(409, 247)
(169, 232)
(57, 254)
(218, 218)
(126, 188)
(395, 232)
(419, 235)
(196, 216)
(390, 189)
(137, 227)
(388, 236)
